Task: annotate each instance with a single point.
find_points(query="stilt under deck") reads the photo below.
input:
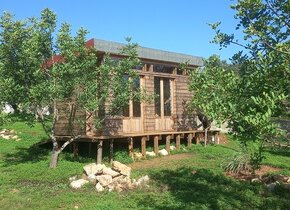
(187, 137)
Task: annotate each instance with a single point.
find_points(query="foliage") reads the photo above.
(260, 88)
(41, 70)
(123, 157)
(239, 163)
(213, 88)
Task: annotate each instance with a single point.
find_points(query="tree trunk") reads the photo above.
(54, 158)
(15, 108)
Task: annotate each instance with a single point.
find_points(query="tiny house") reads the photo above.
(165, 117)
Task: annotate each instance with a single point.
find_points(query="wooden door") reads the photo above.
(163, 88)
(133, 119)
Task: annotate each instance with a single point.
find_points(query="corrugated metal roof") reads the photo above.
(149, 53)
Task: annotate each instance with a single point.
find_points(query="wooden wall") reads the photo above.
(114, 125)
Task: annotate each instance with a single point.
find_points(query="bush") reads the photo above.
(123, 157)
(239, 163)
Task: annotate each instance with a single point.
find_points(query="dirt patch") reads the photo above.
(259, 173)
(162, 161)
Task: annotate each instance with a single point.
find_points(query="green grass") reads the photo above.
(26, 182)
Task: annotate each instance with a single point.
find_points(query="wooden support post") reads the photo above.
(131, 147)
(156, 148)
(168, 137)
(197, 138)
(177, 144)
(99, 152)
(111, 154)
(217, 138)
(143, 146)
(90, 149)
(189, 140)
(76, 149)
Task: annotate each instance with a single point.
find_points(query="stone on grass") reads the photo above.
(280, 178)
(151, 154)
(73, 178)
(137, 155)
(104, 180)
(255, 180)
(123, 169)
(92, 178)
(109, 171)
(94, 168)
(99, 187)
(172, 147)
(78, 183)
(118, 179)
(141, 181)
(272, 186)
(163, 152)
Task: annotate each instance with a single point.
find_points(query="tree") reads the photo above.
(261, 90)
(40, 70)
(213, 88)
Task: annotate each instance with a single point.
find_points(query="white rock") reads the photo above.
(123, 169)
(111, 172)
(94, 168)
(104, 180)
(5, 137)
(151, 154)
(118, 179)
(78, 183)
(142, 181)
(255, 180)
(163, 152)
(92, 178)
(272, 186)
(172, 147)
(137, 155)
(73, 178)
(99, 187)
(15, 137)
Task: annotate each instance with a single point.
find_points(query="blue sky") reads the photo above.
(173, 25)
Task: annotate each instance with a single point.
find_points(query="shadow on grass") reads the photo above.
(204, 189)
(23, 154)
(279, 151)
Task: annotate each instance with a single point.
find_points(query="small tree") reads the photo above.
(43, 71)
(261, 90)
(213, 88)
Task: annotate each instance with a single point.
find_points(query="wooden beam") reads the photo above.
(168, 137)
(156, 148)
(143, 146)
(189, 140)
(111, 154)
(131, 148)
(197, 138)
(99, 152)
(177, 144)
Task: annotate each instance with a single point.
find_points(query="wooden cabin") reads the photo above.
(165, 117)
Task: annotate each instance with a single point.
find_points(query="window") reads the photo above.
(157, 96)
(133, 109)
(167, 97)
(163, 99)
(163, 68)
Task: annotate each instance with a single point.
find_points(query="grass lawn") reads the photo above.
(191, 181)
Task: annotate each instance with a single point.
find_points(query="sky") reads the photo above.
(172, 25)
